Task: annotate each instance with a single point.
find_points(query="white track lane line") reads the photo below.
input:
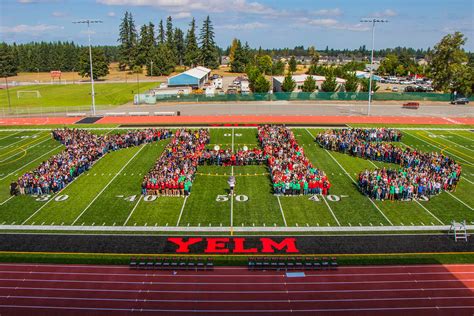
(111, 180)
(230, 311)
(133, 210)
(281, 281)
(350, 177)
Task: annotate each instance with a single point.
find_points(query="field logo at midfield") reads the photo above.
(221, 245)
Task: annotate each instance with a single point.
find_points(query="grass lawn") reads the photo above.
(107, 94)
(109, 193)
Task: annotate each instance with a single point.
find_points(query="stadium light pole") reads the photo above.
(373, 21)
(89, 22)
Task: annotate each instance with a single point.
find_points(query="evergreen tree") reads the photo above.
(278, 68)
(128, 42)
(239, 59)
(262, 85)
(330, 83)
(8, 64)
(364, 85)
(352, 83)
(161, 33)
(292, 64)
(313, 53)
(209, 55)
(179, 45)
(146, 45)
(191, 55)
(309, 84)
(100, 64)
(162, 59)
(288, 84)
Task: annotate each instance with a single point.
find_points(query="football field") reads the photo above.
(108, 195)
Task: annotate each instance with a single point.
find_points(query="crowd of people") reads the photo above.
(225, 157)
(420, 175)
(83, 149)
(291, 171)
(173, 172)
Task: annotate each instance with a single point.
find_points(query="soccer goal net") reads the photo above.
(28, 94)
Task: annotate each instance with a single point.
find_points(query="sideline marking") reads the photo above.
(281, 209)
(97, 196)
(330, 209)
(352, 180)
(182, 208)
(133, 210)
(423, 207)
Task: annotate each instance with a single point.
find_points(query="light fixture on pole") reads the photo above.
(372, 21)
(89, 22)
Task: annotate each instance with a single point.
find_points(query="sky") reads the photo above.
(265, 23)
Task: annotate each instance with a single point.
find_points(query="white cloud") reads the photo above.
(323, 22)
(242, 6)
(328, 12)
(111, 14)
(58, 14)
(182, 15)
(331, 24)
(244, 26)
(26, 1)
(385, 13)
(29, 29)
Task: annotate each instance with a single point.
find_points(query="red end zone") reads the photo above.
(245, 119)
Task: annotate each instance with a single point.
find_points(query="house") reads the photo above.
(299, 80)
(195, 78)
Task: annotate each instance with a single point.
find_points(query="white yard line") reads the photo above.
(472, 209)
(21, 139)
(182, 208)
(330, 209)
(26, 164)
(457, 144)
(281, 210)
(462, 136)
(9, 135)
(11, 197)
(373, 164)
(444, 149)
(423, 207)
(133, 210)
(100, 193)
(27, 148)
(352, 179)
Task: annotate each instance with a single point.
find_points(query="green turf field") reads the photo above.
(109, 194)
(66, 95)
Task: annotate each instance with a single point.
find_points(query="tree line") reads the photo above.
(171, 47)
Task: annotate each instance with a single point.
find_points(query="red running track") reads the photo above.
(115, 290)
(244, 119)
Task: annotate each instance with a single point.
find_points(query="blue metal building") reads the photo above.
(195, 77)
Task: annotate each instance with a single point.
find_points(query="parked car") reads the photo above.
(460, 101)
(395, 89)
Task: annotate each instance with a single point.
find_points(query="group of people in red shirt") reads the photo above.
(173, 173)
(291, 171)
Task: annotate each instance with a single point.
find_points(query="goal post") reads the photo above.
(28, 94)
